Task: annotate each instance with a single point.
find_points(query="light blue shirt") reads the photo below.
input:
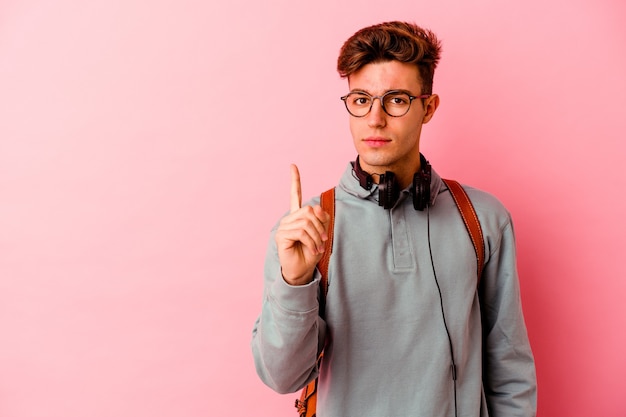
(387, 351)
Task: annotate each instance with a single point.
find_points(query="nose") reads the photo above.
(377, 116)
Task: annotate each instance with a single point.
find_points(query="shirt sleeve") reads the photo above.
(509, 370)
(289, 333)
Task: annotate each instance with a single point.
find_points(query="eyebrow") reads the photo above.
(395, 90)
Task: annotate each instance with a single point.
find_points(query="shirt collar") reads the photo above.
(350, 184)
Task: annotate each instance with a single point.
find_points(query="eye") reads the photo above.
(397, 99)
(360, 100)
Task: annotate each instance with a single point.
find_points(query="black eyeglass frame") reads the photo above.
(382, 101)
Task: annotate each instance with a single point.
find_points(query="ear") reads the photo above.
(430, 106)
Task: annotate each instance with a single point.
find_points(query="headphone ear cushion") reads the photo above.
(388, 190)
(421, 188)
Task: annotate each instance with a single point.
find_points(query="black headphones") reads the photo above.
(389, 189)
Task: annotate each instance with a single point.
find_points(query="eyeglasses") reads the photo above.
(395, 103)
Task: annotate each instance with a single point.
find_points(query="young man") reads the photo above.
(405, 330)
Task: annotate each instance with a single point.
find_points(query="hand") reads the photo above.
(300, 236)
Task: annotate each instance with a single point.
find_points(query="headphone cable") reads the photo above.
(443, 315)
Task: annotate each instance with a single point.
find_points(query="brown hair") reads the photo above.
(399, 41)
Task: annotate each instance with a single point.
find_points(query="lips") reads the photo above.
(376, 141)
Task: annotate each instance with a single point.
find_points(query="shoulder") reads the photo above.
(485, 201)
(490, 210)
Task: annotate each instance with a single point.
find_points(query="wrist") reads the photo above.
(297, 280)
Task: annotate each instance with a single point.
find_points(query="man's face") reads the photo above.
(384, 142)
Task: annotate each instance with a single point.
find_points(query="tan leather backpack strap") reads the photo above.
(464, 204)
(307, 403)
(327, 201)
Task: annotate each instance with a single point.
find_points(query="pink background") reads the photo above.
(144, 157)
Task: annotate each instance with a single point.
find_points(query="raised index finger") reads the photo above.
(296, 189)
